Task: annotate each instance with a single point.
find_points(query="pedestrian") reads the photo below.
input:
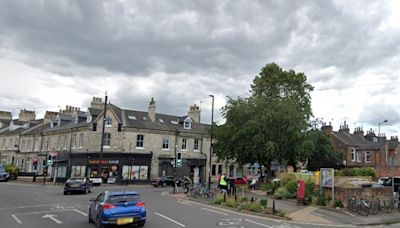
(253, 184)
(186, 184)
(223, 183)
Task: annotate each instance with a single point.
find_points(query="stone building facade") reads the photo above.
(138, 145)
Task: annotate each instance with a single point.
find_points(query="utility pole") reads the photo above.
(211, 139)
(176, 145)
(102, 134)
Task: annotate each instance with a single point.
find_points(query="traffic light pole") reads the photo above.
(176, 145)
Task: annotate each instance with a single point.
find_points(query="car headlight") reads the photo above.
(7, 174)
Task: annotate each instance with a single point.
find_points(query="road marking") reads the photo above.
(170, 219)
(260, 224)
(80, 212)
(184, 202)
(164, 193)
(42, 212)
(52, 218)
(16, 219)
(218, 212)
(43, 205)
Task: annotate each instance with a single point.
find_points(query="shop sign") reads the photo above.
(102, 162)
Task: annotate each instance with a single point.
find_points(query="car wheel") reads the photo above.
(65, 193)
(90, 219)
(98, 223)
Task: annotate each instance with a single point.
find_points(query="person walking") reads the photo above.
(223, 183)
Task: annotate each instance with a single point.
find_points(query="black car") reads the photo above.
(78, 184)
(165, 181)
(4, 176)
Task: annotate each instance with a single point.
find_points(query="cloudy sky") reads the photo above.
(58, 53)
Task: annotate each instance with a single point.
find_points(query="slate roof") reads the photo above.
(356, 140)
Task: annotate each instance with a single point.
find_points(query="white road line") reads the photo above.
(170, 219)
(184, 202)
(16, 219)
(260, 224)
(218, 212)
(42, 212)
(80, 212)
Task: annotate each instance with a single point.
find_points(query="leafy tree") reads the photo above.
(318, 150)
(268, 125)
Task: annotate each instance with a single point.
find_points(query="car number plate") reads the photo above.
(75, 185)
(122, 221)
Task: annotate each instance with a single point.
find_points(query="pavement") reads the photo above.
(320, 215)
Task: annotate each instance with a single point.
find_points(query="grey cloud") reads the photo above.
(377, 112)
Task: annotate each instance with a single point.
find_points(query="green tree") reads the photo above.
(268, 125)
(318, 150)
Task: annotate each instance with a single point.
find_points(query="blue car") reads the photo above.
(117, 208)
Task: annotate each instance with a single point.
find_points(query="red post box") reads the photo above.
(301, 189)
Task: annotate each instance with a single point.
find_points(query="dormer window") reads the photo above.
(187, 123)
(88, 117)
(58, 119)
(108, 122)
(75, 117)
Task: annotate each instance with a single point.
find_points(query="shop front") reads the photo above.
(112, 168)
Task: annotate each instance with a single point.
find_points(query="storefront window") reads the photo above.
(134, 172)
(61, 171)
(78, 171)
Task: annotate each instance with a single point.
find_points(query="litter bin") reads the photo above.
(300, 192)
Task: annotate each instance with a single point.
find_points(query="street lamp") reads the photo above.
(211, 138)
(176, 146)
(379, 127)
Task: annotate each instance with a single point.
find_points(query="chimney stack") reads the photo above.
(97, 103)
(152, 110)
(359, 131)
(326, 128)
(194, 113)
(5, 117)
(26, 115)
(344, 128)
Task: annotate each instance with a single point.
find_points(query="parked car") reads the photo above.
(4, 176)
(239, 180)
(117, 208)
(78, 184)
(387, 181)
(165, 181)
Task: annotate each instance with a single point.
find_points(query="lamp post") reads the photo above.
(379, 127)
(211, 138)
(102, 136)
(176, 146)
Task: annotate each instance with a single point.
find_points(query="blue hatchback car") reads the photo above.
(117, 208)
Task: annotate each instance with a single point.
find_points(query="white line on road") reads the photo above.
(184, 202)
(170, 219)
(260, 224)
(52, 217)
(218, 212)
(80, 212)
(16, 219)
(42, 212)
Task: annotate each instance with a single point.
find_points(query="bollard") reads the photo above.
(235, 197)
(273, 206)
(224, 196)
(252, 200)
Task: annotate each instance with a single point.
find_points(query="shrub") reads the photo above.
(264, 202)
(232, 203)
(244, 199)
(362, 171)
(218, 200)
(291, 186)
(12, 169)
(282, 193)
(266, 186)
(254, 207)
(338, 203)
(287, 177)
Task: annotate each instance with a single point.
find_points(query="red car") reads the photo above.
(239, 180)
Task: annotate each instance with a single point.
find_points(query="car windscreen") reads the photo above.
(2, 170)
(77, 180)
(129, 198)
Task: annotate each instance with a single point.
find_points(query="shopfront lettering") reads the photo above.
(102, 162)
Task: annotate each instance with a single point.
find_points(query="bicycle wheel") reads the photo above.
(374, 207)
(364, 209)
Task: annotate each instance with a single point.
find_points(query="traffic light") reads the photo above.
(178, 163)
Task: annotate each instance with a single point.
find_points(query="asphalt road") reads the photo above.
(27, 205)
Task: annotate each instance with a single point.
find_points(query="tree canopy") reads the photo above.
(269, 124)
